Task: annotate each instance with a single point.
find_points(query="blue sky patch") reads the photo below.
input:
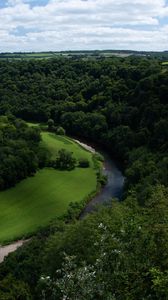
(37, 2)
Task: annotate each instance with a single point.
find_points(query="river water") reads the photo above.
(112, 189)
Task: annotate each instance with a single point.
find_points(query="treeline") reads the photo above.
(20, 152)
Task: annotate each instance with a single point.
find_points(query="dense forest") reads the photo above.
(120, 252)
(20, 151)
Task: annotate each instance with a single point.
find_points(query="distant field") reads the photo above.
(37, 200)
(33, 124)
(48, 55)
(165, 63)
(27, 56)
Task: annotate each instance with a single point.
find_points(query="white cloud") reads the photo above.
(78, 24)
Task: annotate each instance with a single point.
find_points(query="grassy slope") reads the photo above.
(54, 142)
(36, 200)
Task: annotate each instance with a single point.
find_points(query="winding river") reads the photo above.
(113, 188)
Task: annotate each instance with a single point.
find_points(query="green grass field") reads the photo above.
(54, 142)
(36, 200)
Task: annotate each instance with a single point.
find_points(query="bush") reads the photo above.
(84, 163)
(64, 160)
(103, 179)
(99, 157)
(50, 124)
(60, 131)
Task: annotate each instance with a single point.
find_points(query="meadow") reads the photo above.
(35, 201)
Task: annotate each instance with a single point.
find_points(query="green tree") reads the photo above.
(50, 124)
(60, 131)
(65, 160)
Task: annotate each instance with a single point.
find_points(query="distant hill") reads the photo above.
(82, 53)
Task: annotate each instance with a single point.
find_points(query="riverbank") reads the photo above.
(5, 250)
(85, 146)
(112, 189)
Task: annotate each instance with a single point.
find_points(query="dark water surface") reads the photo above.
(113, 188)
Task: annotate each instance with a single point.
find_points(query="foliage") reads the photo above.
(50, 124)
(64, 160)
(20, 153)
(12, 289)
(99, 156)
(113, 254)
(60, 131)
(160, 282)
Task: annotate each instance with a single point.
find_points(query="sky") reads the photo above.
(54, 25)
